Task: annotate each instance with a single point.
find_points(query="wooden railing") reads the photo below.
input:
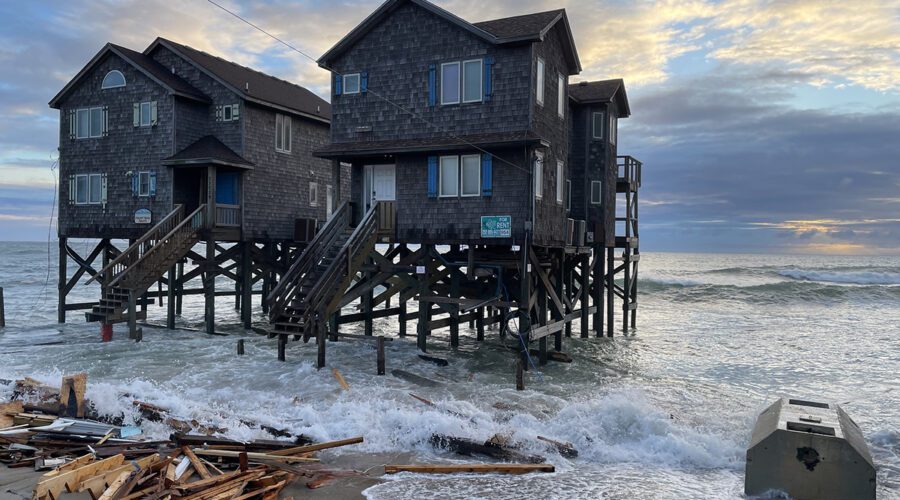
(342, 266)
(168, 249)
(289, 285)
(387, 218)
(139, 248)
(228, 215)
(628, 168)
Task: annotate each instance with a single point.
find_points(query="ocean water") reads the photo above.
(665, 412)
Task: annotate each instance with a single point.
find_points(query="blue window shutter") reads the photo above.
(432, 85)
(488, 83)
(487, 180)
(364, 81)
(152, 183)
(135, 179)
(338, 84)
(432, 176)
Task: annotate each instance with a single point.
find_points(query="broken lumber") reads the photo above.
(479, 468)
(317, 446)
(465, 446)
(71, 395)
(251, 456)
(415, 379)
(432, 359)
(340, 379)
(557, 356)
(198, 465)
(564, 449)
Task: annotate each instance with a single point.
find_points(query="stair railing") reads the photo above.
(139, 248)
(150, 266)
(289, 284)
(342, 266)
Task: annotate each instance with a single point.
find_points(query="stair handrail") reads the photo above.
(328, 281)
(178, 228)
(281, 294)
(134, 248)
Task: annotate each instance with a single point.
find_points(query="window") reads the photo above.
(145, 114)
(613, 125)
(561, 98)
(89, 122)
(471, 175)
(282, 133)
(228, 113)
(538, 175)
(539, 85)
(449, 176)
(597, 131)
(329, 200)
(143, 183)
(450, 83)
(313, 194)
(88, 189)
(351, 83)
(113, 79)
(568, 194)
(596, 194)
(559, 181)
(472, 86)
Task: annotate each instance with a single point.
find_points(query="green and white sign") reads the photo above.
(496, 226)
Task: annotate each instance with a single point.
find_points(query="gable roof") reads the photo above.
(206, 150)
(252, 85)
(146, 65)
(510, 30)
(601, 91)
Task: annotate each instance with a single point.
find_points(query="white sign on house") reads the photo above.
(142, 216)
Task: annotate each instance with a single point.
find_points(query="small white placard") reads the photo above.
(420, 269)
(142, 216)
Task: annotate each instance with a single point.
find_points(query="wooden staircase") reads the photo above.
(314, 285)
(144, 262)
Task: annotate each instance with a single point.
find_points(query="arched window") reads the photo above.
(113, 79)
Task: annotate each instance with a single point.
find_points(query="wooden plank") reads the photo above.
(475, 468)
(340, 379)
(115, 485)
(317, 446)
(69, 481)
(8, 411)
(198, 465)
(252, 455)
(74, 464)
(95, 485)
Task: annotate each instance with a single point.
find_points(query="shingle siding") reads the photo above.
(125, 149)
(397, 54)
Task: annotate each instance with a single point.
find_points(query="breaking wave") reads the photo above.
(843, 277)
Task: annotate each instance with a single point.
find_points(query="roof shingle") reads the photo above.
(520, 26)
(207, 149)
(363, 148)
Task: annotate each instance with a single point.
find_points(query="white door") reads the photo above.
(379, 184)
(329, 201)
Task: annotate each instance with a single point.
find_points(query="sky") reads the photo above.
(763, 126)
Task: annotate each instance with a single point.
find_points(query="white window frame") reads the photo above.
(90, 131)
(538, 173)
(559, 181)
(613, 128)
(561, 98)
(285, 133)
(441, 176)
(594, 133)
(358, 83)
(599, 191)
(462, 77)
(87, 189)
(144, 174)
(148, 117)
(103, 85)
(458, 83)
(539, 83)
(462, 171)
(313, 194)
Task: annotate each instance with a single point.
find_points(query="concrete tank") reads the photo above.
(809, 450)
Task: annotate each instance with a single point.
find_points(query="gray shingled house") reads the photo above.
(151, 139)
(469, 136)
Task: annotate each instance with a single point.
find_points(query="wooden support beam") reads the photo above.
(558, 273)
(454, 313)
(470, 468)
(379, 348)
(61, 281)
(610, 289)
(282, 344)
(401, 319)
(170, 299)
(422, 326)
(246, 284)
(479, 325)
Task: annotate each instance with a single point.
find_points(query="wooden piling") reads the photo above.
(520, 374)
(319, 331)
(170, 300)
(246, 284)
(479, 325)
(379, 346)
(597, 290)
(454, 309)
(424, 307)
(2, 310)
(61, 282)
(585, 293)
(282, 343)
(401, 318)
(240, 347)
(179, 288)
(209, 286)
(610, 289)
(367, 303)
(132, 315)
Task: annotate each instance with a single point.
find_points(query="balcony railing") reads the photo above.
(628, 169)
(228, 215)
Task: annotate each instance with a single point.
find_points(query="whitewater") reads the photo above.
(665, 412)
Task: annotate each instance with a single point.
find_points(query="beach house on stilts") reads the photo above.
(482, 186)
(202, 165)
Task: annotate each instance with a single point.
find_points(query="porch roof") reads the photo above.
(207, 150)
(424, 145)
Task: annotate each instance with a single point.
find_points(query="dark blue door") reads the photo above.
(227, 188)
